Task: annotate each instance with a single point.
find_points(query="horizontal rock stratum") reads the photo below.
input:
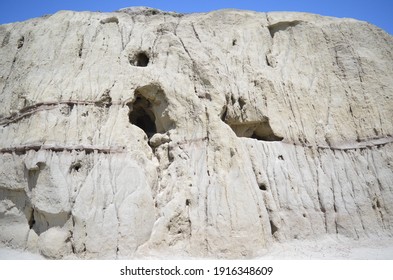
(211, 135)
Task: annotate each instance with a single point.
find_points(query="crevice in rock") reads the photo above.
(260, 130)
(233, 100)
(110, 20)
(73, 249)
(377, 207)
(268, 63)
(273, 228)
(21, 42)
(271, 60)
(241, 102)
(224, 112)
(31, 220)
(376, 204)
(72, 239)
(80, 52)
(321, 205)
(195, 33)
(282, 26)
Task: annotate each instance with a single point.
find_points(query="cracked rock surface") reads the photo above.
(215, 135)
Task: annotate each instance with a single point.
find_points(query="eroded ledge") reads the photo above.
(27, 111)
(366, 144)
(282, 26)
(88, 149)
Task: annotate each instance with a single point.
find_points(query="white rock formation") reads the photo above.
(217, 134)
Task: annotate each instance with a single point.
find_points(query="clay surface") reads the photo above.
(214, 135)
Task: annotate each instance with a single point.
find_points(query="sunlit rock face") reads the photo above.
(143, 132)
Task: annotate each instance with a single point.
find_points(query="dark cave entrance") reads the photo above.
(142, 115)
(260, 130)
(142, 60)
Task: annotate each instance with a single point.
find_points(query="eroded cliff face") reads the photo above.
(217, 134)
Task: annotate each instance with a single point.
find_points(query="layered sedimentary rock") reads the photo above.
(212, 135)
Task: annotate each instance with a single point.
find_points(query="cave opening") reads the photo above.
(142, 115)
(149, 111)
(260, 130)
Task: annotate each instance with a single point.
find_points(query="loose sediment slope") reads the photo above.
(214, 135)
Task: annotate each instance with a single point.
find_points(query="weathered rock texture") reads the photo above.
(139, 131)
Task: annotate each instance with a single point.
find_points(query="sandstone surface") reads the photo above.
(215, 135)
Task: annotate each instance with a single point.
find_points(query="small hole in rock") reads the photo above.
(280, 157)
(234, 41)
(262, 187)
(141, 60)
(188, 202)
(75, 167)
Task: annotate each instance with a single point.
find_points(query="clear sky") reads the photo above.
(378, 12)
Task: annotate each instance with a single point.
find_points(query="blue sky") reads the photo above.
(378, 12)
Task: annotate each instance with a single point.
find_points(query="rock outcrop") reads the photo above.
(211, 135)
